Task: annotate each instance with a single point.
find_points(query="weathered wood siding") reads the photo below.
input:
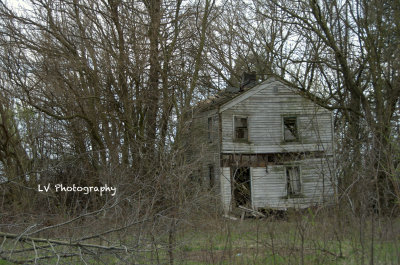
(265, 111)
(203, 152)
(269, 188)
(225, 180)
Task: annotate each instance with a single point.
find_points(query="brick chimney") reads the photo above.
(248, 79)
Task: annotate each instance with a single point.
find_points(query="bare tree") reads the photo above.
(341, 54)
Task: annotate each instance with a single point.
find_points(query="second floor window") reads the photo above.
(290, 131)
(241, 129)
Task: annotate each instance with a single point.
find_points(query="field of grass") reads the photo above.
(298, 239)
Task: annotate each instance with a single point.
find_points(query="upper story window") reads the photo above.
(290, 130)
(241, 131)
(210, 129)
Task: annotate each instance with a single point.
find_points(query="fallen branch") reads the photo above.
(28, 261)
(253, 212)
(59, 242)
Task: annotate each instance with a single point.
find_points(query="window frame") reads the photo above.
(297, 136)
(235, 139)
(288, 182)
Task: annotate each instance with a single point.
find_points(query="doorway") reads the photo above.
(241, 186)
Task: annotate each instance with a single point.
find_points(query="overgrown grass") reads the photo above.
(299, 238)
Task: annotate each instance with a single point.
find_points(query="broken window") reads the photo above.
(293, 182)
(210, 129)
(241, 130)
(290, 132)
(211, 175)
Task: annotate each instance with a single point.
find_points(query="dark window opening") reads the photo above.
(290, 132)
(211, 175)
(241, 186)
(293, 183)
(241, 130)
(209, 129)
(196, 176)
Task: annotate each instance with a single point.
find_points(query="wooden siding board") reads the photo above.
(225, 182)
(269, 188)
(265, 114)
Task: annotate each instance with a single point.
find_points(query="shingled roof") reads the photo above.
(222, 97)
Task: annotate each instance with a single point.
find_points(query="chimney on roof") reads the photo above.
(248, 79)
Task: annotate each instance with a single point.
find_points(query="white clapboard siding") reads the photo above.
(269, 188)
(265, 110)
(225, 182)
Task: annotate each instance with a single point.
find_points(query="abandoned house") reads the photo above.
(264, 146)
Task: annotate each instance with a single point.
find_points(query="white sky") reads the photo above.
(18, 5)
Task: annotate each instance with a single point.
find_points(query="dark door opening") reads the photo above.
(241, 186)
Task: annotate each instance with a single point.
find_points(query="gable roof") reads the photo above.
(227, 97)
(246, 94)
